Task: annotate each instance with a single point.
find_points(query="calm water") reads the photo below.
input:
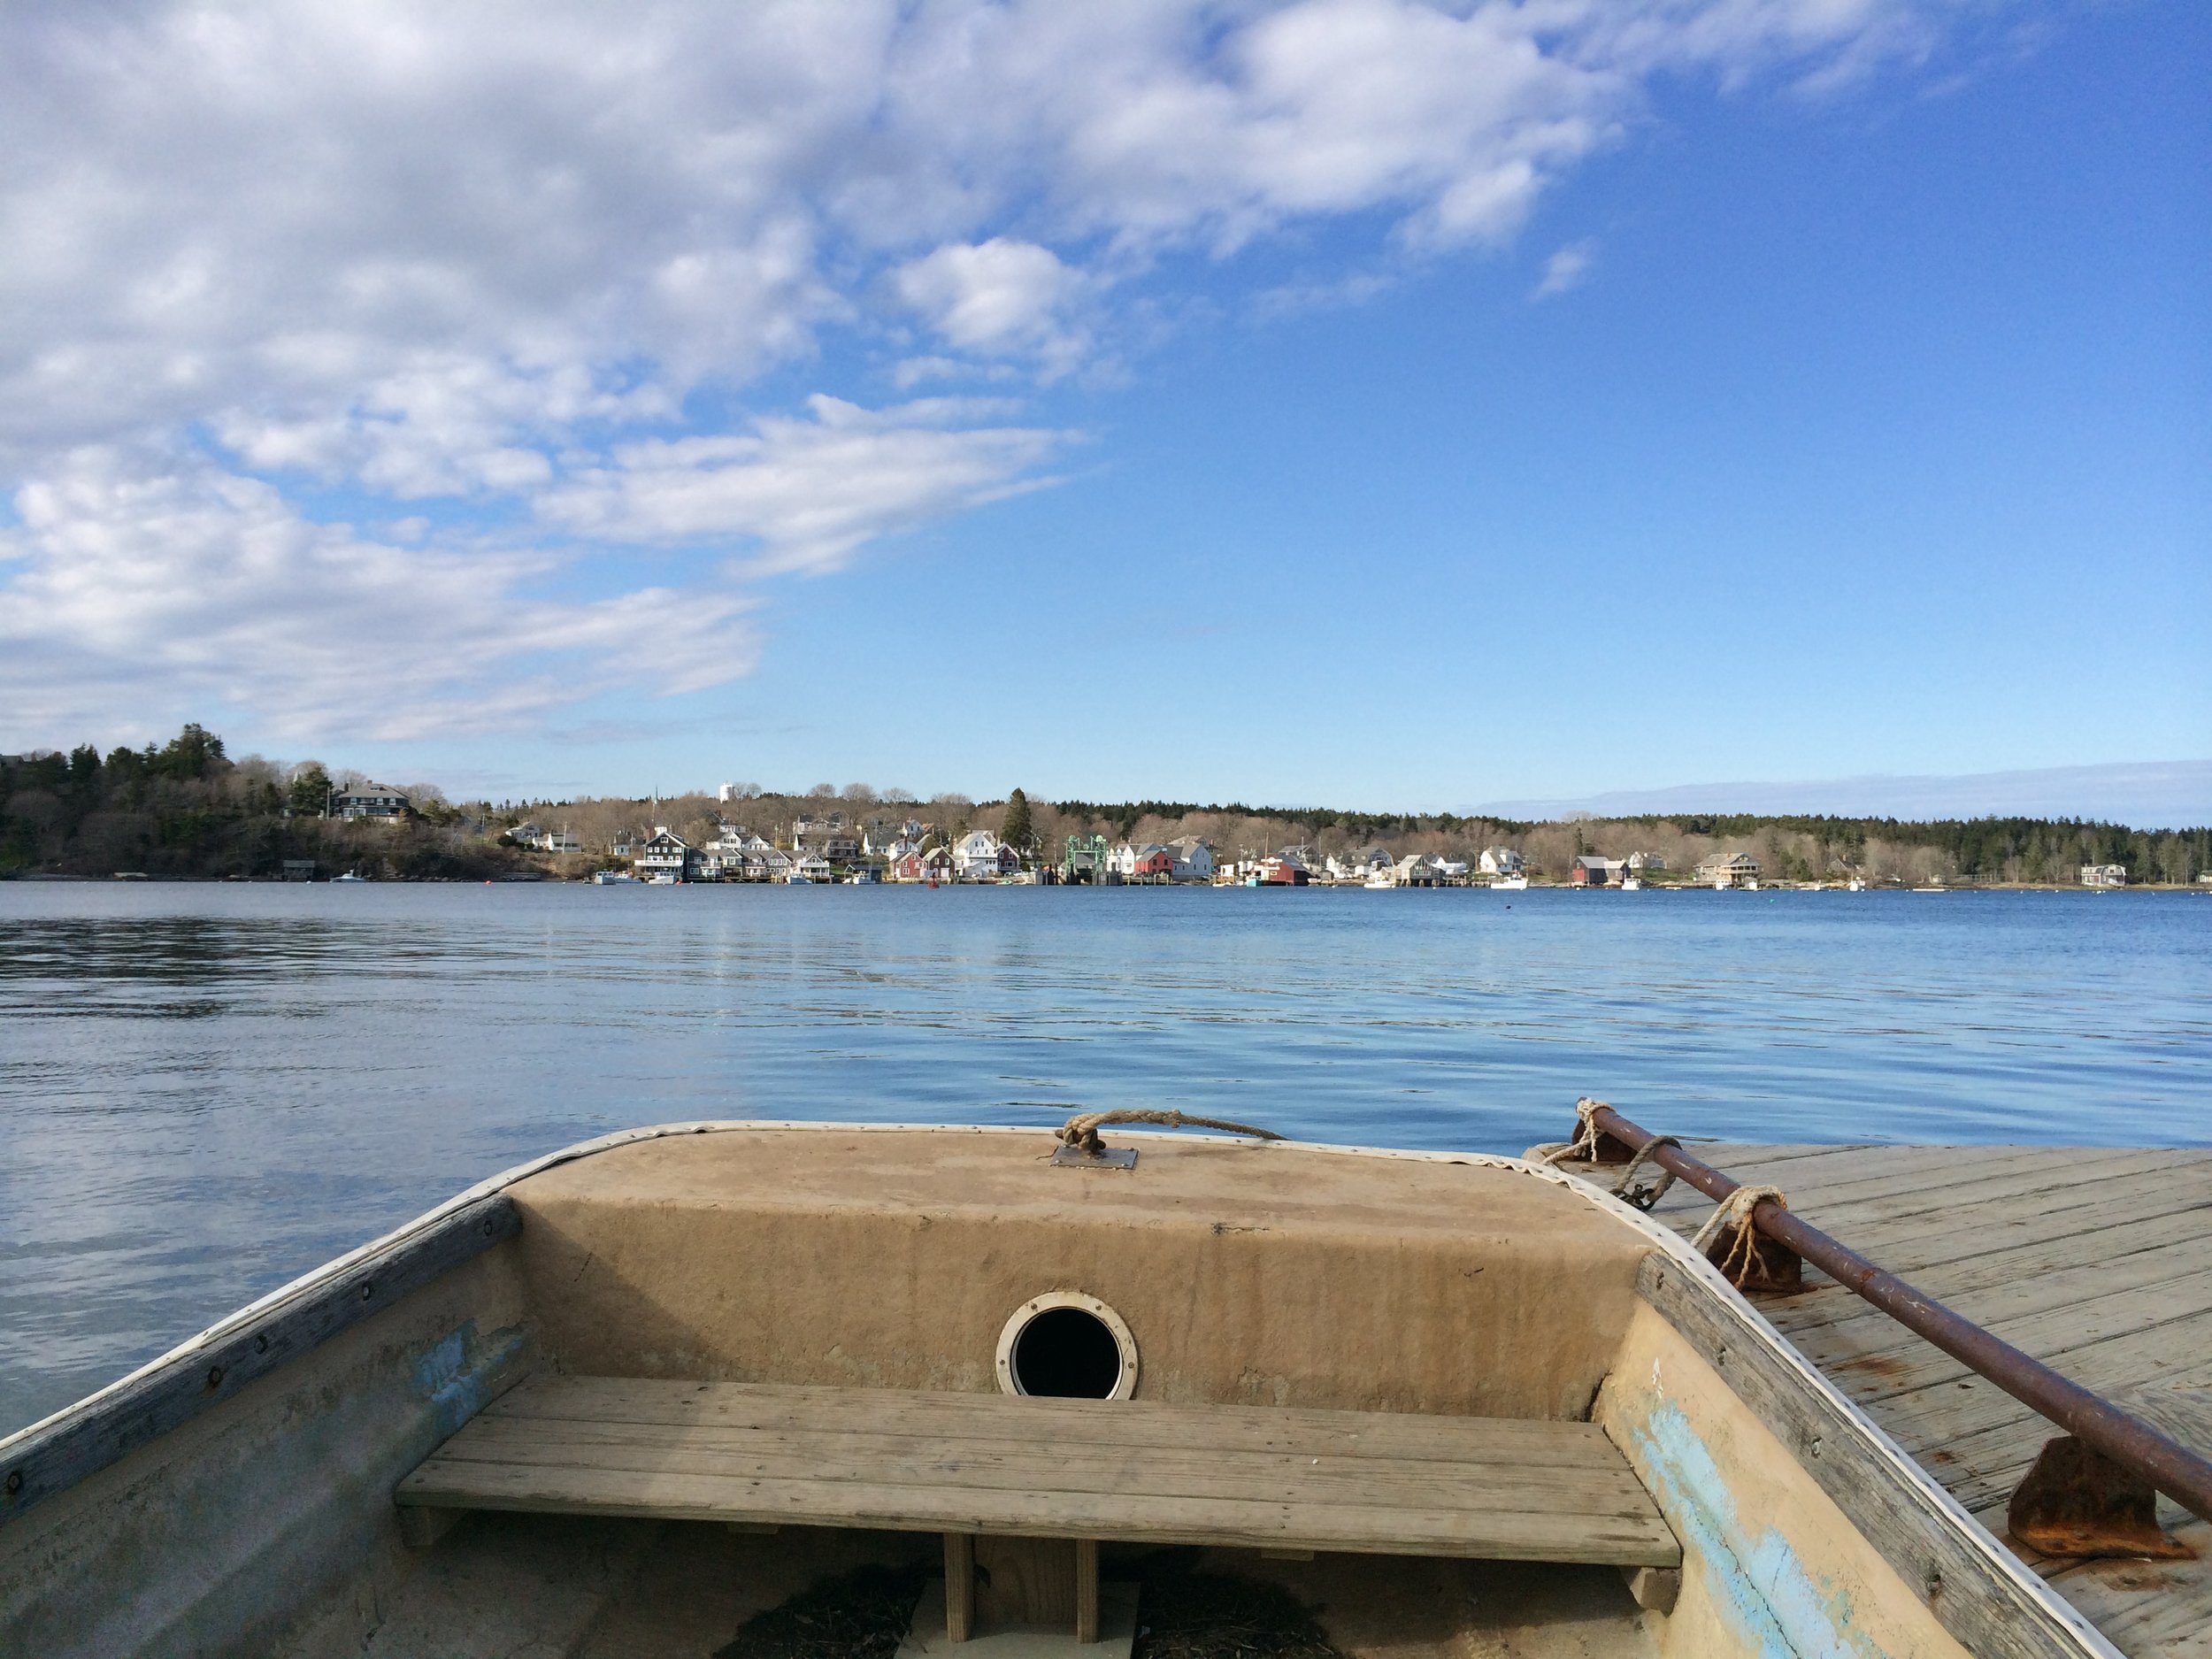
(206, 1090)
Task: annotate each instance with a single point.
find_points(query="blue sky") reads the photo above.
(1350, 401)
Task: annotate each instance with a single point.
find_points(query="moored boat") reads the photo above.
(622, 1398)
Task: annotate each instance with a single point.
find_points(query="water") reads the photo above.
(206, 1090)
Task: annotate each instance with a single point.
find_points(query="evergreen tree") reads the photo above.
(1016, 832)
(309, 791)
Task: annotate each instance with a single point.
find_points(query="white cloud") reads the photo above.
(807, 491)
(149, 588)
(997, 298)
(506, 254)
(1565, 269)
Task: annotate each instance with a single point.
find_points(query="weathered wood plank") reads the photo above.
(1992, 1615)
(1145, 1472)
(959, 1586)
(1135, 1422)
(1951, 1169)
(672, 1494)
(2022, 1267)
(1909, 1246)
(1105, 1468)
(43, 1460)
(1879, 1363)
(1939, 1423)
(2035, 1179)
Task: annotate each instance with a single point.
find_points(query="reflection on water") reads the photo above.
(205, 1090)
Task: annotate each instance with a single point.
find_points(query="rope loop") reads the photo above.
(1734, 1212)
(1583, 1147)
(1645, 1197)
(1081, 1131)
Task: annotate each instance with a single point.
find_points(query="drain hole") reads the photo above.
(1067, 1353)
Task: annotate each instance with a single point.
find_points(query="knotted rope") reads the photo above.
(1081, 1131)
(1585, 1144)
(1742, 1254)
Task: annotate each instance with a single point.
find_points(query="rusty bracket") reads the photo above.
(2076, 1504)
(1752, 1261)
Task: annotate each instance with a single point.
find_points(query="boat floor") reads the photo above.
(2096, 1260)
(539, 1586)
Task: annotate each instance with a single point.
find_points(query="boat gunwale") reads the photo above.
(179, 1367)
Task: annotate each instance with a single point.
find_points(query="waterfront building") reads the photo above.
(1728, 870)
(1500, 861)
(1193, 859)
(1591, 871)
(666, 854)
(2104, 875)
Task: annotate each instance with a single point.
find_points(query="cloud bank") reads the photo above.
(510, 274)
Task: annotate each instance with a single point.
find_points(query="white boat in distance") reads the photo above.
(1631, 884)
(1509, 884)
(615, 879)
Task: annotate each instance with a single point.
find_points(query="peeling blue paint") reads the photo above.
(456, 1376)
(1759, 1584)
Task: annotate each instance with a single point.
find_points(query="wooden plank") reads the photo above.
(2022, 1266)
(1957, 1177)
(2035, 1180)
(1105, 1468)
(41, 1461)
(1144, 1472)
(2108, 1291)
(1370, 1529)
(959, 1586)
(1991, 1614)
(1027, 1583)
(1874, 1364)
(1805, 1155)
(1085, 1592)
(1133, 1422)
(1905, 1248)
(1936, 1422)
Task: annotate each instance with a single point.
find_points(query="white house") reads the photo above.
(560, 841)
(1194, 859)
(1501, 861)
(2104, 875)
(975, 857)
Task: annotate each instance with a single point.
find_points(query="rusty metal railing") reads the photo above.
(2135, 1446)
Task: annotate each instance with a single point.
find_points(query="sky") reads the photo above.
(1358, 402)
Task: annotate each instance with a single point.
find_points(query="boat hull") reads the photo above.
(258, 1514)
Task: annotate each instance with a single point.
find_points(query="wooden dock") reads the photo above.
(2096, 1260)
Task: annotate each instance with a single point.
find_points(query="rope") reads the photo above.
(1742, 1254)
(1645, 1197)
(1081, 1131)
(1585, 1144)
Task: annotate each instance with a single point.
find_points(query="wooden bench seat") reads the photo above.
(1122, 1470)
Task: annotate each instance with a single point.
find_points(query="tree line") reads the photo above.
(188, 808)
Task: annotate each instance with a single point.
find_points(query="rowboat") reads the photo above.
(657, 1389)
